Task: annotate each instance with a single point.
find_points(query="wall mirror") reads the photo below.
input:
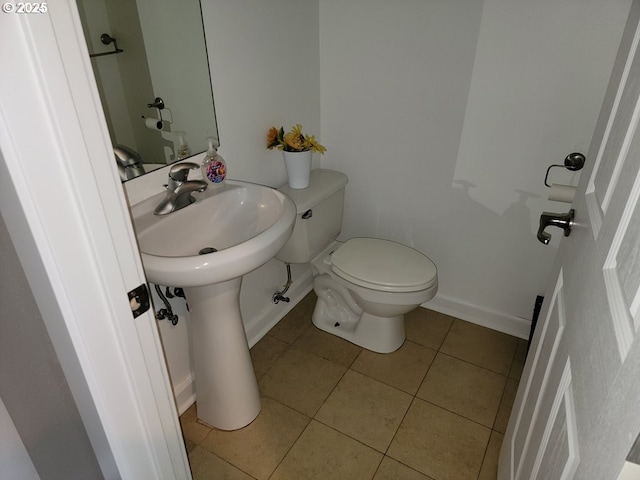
(151, 66)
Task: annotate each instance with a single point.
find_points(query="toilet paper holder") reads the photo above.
(574, 162)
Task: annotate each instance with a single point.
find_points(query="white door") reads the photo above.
(62, 201)
(577, 411)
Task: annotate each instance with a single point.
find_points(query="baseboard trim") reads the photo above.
(185, 393)
(518, 327)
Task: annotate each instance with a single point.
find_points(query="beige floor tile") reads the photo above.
(207, 466)
(390, 469)
(265, 353)
(322, 453)
(481, 346)
(427, 327)
(259, 447)
(506, 404)
(296, 321)
(365, 409)
(518, 360)
(489, 469)
(192, 431)
(439, 443)
(301, 380)
(463, 388)
(325, 345)
(403, 369)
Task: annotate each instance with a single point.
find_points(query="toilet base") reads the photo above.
(337, 313)
(392, 341)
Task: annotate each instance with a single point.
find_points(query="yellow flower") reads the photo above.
(314, 145)
(297, 130)
(294, 141)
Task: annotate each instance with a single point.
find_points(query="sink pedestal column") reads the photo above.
(226, 388)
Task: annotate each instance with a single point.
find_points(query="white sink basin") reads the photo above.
(246, 223)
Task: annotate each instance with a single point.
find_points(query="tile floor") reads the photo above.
(435, 409)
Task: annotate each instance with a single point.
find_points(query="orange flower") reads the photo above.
(272, 137)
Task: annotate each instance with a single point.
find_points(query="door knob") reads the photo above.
(562, 220)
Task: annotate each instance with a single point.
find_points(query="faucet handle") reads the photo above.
(180, 171)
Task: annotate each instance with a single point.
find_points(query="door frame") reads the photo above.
(66, 212)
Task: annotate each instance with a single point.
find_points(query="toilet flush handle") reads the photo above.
(308, 214)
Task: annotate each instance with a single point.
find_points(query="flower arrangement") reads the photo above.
(294, 141)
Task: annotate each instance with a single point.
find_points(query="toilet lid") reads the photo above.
(383, 265)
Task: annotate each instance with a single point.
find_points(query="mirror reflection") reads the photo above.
(151, 67)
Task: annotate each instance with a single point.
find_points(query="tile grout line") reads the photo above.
(505, 375)
(414, 399)
(292, 445)
(504, 390)
(312, 418)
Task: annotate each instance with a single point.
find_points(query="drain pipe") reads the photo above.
(279, 296)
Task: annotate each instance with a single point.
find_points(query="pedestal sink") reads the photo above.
(205, 248)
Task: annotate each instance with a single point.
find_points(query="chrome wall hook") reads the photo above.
(157, 103)
(560, 220)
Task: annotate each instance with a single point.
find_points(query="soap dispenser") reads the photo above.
(214, 168)
(182, 150)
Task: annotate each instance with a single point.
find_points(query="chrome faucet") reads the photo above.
(179, 188)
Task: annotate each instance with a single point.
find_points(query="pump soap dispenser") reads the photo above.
(214, 168)
(182, 150)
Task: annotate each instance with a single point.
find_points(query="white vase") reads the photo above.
(298, 167)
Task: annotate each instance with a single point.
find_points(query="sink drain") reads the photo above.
(206, 250)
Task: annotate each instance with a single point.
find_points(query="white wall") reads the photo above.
(543, 84)
(413, 100)
(264, 59)
(445, 115)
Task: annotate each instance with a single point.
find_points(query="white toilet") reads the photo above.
(364, 285)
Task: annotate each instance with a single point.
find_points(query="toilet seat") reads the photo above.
(383, 265)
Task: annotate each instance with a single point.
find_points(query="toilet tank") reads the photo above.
(319, 215)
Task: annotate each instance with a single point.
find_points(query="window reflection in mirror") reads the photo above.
(163, 56)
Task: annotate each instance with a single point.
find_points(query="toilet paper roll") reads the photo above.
(562, 193)
(153, 123)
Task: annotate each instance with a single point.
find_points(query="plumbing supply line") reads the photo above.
(278, 296)
(165, 312)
